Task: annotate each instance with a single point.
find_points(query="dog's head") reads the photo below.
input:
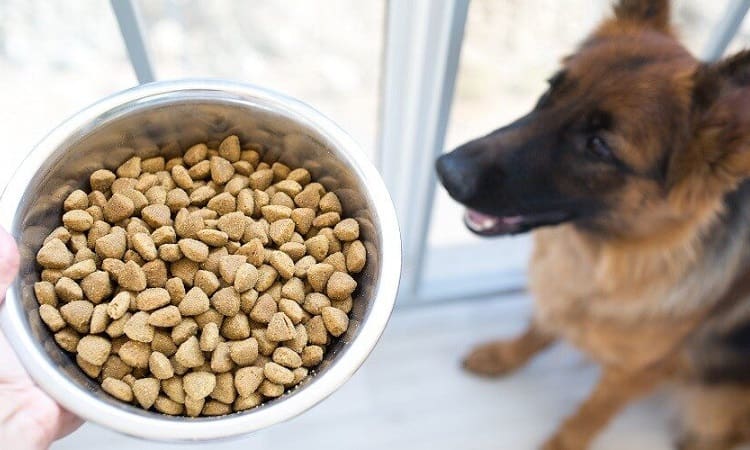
(632, 134)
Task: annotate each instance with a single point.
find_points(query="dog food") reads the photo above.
(200, 285)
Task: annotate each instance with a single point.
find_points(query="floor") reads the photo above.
(412, 394)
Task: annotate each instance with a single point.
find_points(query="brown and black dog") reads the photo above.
(633, 171)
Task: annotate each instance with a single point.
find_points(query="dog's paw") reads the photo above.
(493, 359)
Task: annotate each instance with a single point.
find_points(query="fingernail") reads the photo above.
(9, 261)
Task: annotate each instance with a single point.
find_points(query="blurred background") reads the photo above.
(405, 97)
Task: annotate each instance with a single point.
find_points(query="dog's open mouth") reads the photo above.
(486, 225)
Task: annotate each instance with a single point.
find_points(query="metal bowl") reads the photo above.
(166, 118)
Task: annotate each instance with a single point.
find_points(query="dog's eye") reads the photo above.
(598, 148)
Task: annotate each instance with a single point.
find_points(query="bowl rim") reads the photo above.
(73, 397)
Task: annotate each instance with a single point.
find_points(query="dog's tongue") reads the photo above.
(486, 224)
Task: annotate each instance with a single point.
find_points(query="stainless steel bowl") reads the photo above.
(166, 118)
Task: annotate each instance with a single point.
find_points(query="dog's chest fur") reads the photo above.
(634, 306)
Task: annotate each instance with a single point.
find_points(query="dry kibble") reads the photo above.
(118, 389)
(152, 298)
(247, 380)
(199, 385)
(51, 317)
(145, 391)
(135, 354)
(335, 320)
(94, 349)
(189, 353)
(54, 255)
(160, 366)
(286, 357)
(280, 328)
(77, 220)
(340, 286)
(232, 276)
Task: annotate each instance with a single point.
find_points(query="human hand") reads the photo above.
(29, 419)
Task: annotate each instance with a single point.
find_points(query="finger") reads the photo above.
(69, 422)
(9, 261)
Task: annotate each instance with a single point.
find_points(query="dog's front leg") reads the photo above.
(501, 357)
(615, 389)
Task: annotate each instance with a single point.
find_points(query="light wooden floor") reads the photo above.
(411, 394)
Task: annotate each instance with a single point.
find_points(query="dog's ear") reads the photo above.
(653, 13)
(717, 157)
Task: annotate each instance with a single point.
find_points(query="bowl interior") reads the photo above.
(167, 124)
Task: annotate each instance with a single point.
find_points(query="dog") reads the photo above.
(633, 172)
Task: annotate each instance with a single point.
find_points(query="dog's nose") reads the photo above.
(459, 174)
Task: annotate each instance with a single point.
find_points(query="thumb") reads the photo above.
(9, 261)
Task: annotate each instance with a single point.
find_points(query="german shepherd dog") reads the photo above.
(633, 171)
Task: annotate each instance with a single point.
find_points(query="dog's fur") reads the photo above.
(633, 170)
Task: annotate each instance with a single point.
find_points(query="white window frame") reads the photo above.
(423, 40)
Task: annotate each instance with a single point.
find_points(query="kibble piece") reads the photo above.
(214, 238)
(282, 263)
(54, 255)
(174, 389)
(119, 305)
(78, 314)
(163, 343)
(118, 207)
(80, 269)
(303, 218)
(51, 317)
(316, 331)
(157, 215)
(168, 316)
(200, 171)
(89, 369)
(94, 349)
(96, 286)
(193, 249)
(280, 328)
(229, 148)
(340, 286)
(287, 357)
(67, 339)
(312, 355)
(209, 337)
(145, 391)
(236, 327)
(233, 224)
(266, 277)
(45, 293)
(315, 302)
(264, 309)
(132, 277)
(76, 200)
(187, 224)
(101, 180)
(224, 391)
(195, 302)
(116, 328)
(300, 340)
(195, 154)
(194, 406)
(226, 301)
(185, 270)
(245, 277)
(228, 266)
(273, 213)
(291, 309)
(221, 170)
(165, 405)
(118, 389)
(77, 220)
(307, 198)
(199, 385)
(152, 298)
(318, 275)
(99, 319)
(135, 354)
(261, 179)
(302, 266)
(247, 380)
(112, 245)
(281, 231)
(144, 245)
(244, 352)
(294, 289)
(160, 366)
(189, 353)
(272, 390)
(330, 203)
(328, 219)
(336, 321)
(138, 328)
(215, 408)
(245, 202)
(347, 230)
(184, 330)
(249, 402)
(170, 252)
(317, 247)
(220, 359)
(356, 257)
